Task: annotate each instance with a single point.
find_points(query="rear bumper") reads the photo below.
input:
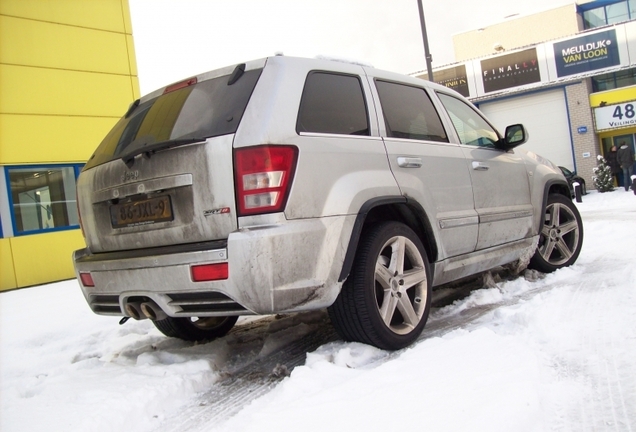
(286, 267)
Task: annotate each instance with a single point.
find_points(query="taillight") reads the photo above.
(263, 178)
(210, 272)
(87, 279)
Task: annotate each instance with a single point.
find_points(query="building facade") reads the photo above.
(573, 85)
(67, 73)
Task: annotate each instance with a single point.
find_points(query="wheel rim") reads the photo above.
(208, 323)
(560, 234)
(401, 287)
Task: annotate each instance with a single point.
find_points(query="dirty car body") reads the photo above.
(261, 188)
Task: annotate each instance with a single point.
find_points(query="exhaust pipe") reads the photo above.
(152, 311)
(133, 309)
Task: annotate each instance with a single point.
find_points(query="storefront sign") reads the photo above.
(454, 78)
(510, 70)
(615, 116)
(586, 53)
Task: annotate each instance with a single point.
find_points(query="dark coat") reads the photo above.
(612, 161)
(625, 156)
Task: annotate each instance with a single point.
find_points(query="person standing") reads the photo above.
(625, 156)
(612, 161)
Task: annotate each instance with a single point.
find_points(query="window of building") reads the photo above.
(616, 12)
(409, 113)
(614, 80)
(333, 104)
(42, 198)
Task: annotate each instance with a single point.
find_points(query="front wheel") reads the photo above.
(561, 236)
(196, 329)
(386, 300)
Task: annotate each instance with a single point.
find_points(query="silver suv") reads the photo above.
(287, 184)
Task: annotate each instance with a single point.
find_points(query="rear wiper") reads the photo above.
(150, 149)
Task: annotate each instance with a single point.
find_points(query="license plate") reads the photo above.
(143, 212)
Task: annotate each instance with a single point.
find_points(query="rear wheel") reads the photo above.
(561, 236)
(196, 329)
(385, 301)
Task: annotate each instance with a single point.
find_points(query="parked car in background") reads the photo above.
(572, 177)
(286, 184)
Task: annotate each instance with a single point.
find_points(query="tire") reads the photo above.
(561, 236)
(386, 300)
(196, 329)
(583, 189)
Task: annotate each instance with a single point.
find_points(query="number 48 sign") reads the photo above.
(615, 116)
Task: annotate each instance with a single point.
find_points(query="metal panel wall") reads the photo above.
(545, 116)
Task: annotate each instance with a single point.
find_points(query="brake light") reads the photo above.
(264, 176)
(180, 85)
(210, 272)
(87, 279)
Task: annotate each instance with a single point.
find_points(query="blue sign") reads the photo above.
(582, 129)
(586, 53)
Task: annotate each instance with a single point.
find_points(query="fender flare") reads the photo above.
(360, 221)
(562, 185)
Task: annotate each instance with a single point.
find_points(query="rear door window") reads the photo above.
(209, 108)
(333, 104)
(409, 112)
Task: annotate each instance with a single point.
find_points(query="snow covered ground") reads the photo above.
(551, 354)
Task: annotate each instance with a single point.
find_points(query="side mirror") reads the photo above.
(515, 136)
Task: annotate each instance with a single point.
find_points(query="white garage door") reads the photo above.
(544, 115)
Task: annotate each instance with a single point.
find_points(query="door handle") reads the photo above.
(409, 162)
(480, 166)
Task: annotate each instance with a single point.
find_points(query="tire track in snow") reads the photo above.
(599, 372)
(606, 403)
(262, 374)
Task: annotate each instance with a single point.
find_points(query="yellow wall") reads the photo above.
(7, 272)
(41, 258)
(611, 97)
(67, 73)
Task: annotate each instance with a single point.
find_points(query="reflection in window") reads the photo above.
(409, 113)
(470, 126)
(614, 80)
(43, 198)
(616, 12)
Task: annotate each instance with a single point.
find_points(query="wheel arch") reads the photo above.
(552, 186)
(390, 208)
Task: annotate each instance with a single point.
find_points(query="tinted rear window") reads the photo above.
(206, 109)
(333, 104)
(409, 112)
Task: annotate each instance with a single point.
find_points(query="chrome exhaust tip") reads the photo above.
(153, 312)
(134, 310)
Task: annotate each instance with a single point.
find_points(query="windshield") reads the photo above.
(206, 109)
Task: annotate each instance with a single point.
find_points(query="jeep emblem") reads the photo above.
(129, 175)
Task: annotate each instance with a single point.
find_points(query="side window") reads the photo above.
(409, 112)
(470, 126)
(333, 104)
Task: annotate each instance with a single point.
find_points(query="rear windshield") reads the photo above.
(206, 109)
